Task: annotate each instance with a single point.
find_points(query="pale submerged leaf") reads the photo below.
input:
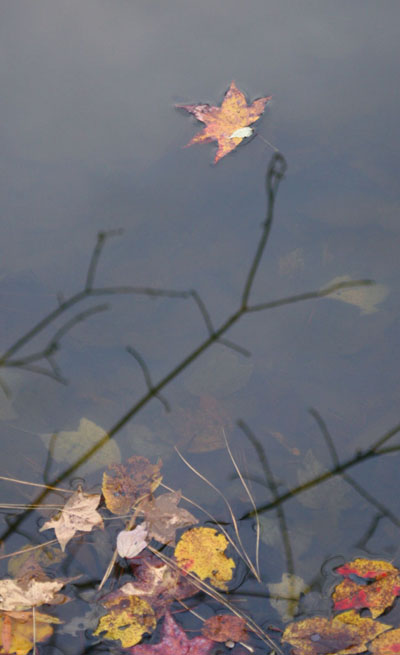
(241, 133)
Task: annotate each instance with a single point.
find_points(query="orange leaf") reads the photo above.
(224, 124)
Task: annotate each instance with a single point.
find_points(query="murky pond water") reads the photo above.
(92, 142)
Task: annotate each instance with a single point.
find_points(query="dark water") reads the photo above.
(90, 142)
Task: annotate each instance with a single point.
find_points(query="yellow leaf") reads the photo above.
(201, 551)
(16, 630)
(129, 617)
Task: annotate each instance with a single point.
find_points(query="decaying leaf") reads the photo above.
(19, 595)
(366, 298)
(175, 642)
(224, 627)
(225, 124)
(131, 481)
(201, 551)
(377, 596)
(386, 644)
(128, 619)
(158, 583)
(344, 634)
(78, 514)
(164, 517)
(68, 446)
(17, 631)
(285, 595)
(131, 542)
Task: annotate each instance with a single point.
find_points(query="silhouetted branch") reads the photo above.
(276, 170)
(147, 377)
(385, 511)
(270, 480)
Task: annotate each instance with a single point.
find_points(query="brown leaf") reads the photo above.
(344, 634)
(163, 516)
(130, 483)
(224, 627)
(223, 124)
(78, 513)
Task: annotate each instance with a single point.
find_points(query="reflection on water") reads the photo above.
(176, 329)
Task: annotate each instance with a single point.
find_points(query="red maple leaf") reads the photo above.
(223, 122)
(174, 642)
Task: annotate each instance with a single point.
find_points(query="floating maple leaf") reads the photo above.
(201, 550)
(175, 642)
(78, 513)
(342, 635)
(130, 482)
(225, 627)
(17, 595)
(386, 644)
(158, 583)
(18, 632)
(164, 517)
(127, 619)
(131, 542)
(226, 124)
(377, 596)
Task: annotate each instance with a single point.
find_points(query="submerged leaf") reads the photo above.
(128, 619)
(225, 124)
(285, 595)
(130, 482)
(201, 551)
(78, 514)
(365, 297)
(69, 446)
(175, 642)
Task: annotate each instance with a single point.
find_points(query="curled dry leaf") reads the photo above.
(78, 513)
(164, 517)
(225, 627)
(344, 634)
(225, 124)
(130, 482)
(128, 619)
(16, 631)
(175, 642)
(158, 583)
(201, 551)
(131, 542)
(17, 595)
